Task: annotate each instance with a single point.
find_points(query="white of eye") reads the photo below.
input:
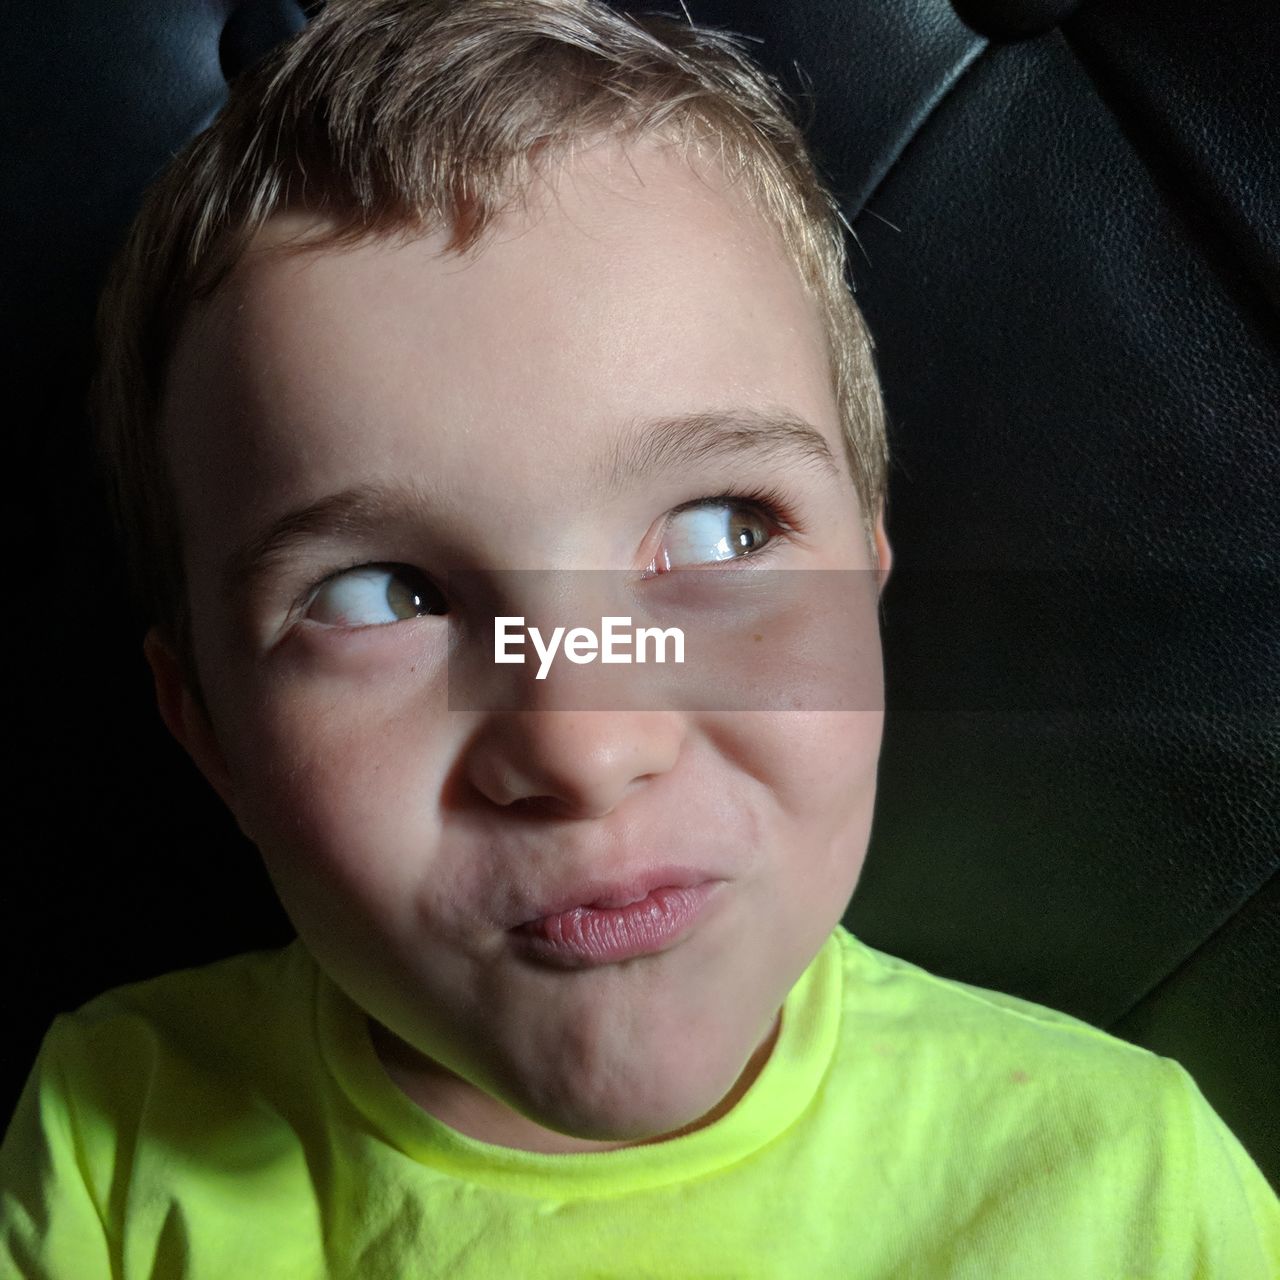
(713, 531)
(373, 595)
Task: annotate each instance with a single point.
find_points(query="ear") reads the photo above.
(184, 717)
(884, 552)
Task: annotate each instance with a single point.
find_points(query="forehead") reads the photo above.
(631, 285)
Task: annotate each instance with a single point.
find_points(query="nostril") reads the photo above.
(254, 29)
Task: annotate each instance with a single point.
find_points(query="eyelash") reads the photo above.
(775, 505)
(771, 501)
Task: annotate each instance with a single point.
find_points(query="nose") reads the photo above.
(572, 763)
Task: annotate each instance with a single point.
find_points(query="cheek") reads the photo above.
(829, 790)
(818, 772)
(819, 768)
(336, 788)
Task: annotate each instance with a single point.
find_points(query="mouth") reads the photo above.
(606, 923)
(614, 894)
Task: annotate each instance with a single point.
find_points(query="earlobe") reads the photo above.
(183, 715)
(884, 552)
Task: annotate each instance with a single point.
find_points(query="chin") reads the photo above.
(635, 1112)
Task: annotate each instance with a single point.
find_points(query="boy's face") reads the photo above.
(405, 839)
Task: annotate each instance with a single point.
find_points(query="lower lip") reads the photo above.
(604, 935)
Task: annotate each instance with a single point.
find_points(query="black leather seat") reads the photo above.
(1069, 255)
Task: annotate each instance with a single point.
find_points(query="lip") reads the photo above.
(585, 936)
(623, 891)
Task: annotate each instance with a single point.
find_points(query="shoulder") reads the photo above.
(194, 1047)
(209, 1021)
(150, 1091)
(908, 997)
(1033, 1098)
(233, 991)
(260, 977)
(1005, 1071)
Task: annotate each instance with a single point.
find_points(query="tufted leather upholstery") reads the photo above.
(1069, 254)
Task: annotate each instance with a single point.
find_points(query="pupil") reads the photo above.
(406, 599)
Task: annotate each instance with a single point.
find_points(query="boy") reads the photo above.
(451, 290)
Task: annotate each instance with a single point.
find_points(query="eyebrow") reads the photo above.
(686, 440)
(644, 448)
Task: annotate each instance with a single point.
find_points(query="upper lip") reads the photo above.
(629, 887)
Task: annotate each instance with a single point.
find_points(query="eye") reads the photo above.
(373, 595)
(710, 530)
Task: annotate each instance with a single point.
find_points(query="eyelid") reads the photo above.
(772, 501)
(777, 505)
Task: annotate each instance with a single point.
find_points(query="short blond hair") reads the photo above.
(400, 116)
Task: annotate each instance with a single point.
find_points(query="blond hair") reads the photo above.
(399, 116)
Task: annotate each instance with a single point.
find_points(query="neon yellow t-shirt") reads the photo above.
(233, 1122)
